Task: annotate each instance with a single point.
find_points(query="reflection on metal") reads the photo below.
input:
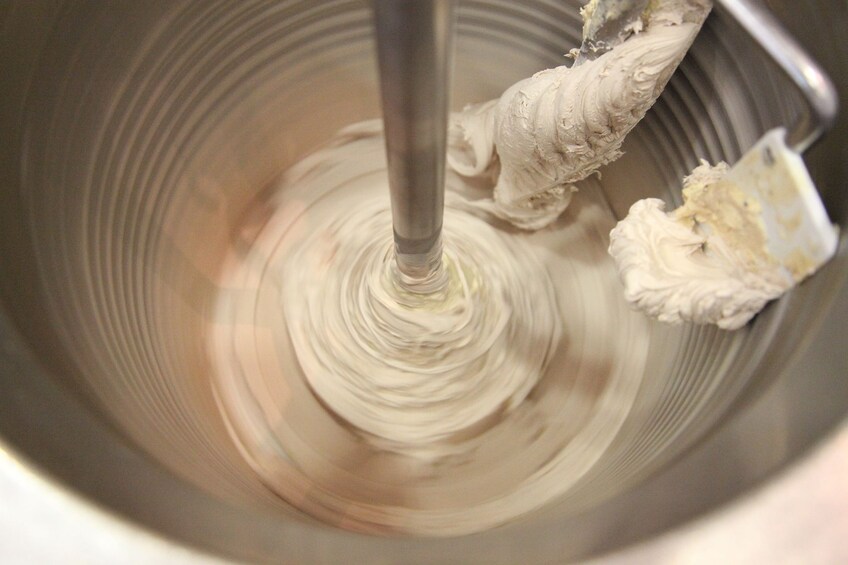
(806, 75)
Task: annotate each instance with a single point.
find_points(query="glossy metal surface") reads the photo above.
(807, 76)
(414, 47)
(139, 135)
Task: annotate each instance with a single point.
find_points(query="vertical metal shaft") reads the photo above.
(414, 48)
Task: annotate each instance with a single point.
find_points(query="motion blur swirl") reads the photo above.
(415, 370)
(404, 400)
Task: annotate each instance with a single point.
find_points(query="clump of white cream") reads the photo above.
(560, 125)
(705, 262)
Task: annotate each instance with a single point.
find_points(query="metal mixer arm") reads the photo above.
(807, 76)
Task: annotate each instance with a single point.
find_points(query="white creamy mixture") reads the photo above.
(676, 269)
(379, 409)
(414, 371)
(560, 125)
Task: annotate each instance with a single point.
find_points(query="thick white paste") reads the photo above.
(704, 262)
(419, 404)
(560, 125)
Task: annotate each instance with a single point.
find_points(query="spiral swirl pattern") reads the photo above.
(416, 369)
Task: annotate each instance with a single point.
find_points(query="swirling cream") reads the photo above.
(376, 406)
(412, 371)
(380, 409)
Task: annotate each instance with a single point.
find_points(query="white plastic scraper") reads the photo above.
(799, 234)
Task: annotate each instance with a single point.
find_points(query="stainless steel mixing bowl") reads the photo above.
(139, 134)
